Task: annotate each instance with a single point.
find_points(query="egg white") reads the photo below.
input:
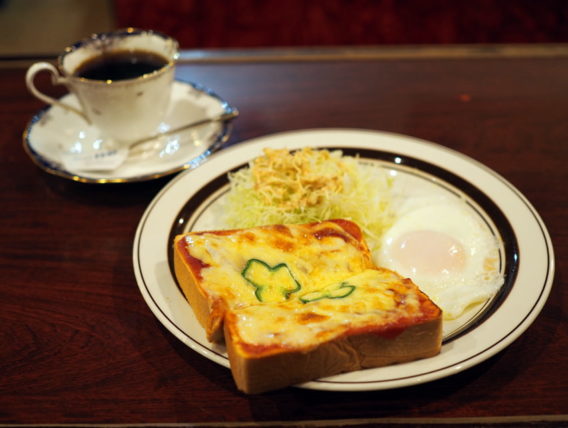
(470, 278)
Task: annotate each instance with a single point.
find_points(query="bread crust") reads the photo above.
(209, 312)
(344, 354)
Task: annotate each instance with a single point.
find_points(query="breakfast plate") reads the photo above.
(194, 201)
(53, 133)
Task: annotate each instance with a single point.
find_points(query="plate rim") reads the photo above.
(52, 168)
(342, 385)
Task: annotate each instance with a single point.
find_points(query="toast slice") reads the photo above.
(299, 302)
(372, 319)
(209, 265)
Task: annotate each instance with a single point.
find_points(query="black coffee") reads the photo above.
(120, 65)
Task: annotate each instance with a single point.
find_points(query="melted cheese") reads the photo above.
(380, 298)
(315, 256)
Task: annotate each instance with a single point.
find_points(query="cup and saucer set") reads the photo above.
(126, 118)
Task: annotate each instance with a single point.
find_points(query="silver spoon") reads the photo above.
(220, 118)
(108, 160)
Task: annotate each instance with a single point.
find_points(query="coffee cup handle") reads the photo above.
(56, 79)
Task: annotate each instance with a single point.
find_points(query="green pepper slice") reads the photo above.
(334, 291)
(272, 283)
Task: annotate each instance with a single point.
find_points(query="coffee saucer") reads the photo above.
(53, 133)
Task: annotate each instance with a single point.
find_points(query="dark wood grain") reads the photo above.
(78, 343)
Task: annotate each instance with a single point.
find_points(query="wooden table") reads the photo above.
(78, 344)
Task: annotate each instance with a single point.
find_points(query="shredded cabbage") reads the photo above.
(284, 187)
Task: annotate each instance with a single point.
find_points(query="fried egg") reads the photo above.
(447, 250)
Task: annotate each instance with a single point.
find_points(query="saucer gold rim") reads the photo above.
(53, 168)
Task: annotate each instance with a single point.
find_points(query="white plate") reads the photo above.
(53, 131)
(191, 202)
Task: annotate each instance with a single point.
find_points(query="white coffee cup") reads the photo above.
(123, 110)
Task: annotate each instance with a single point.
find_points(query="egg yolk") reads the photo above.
(427, 252)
